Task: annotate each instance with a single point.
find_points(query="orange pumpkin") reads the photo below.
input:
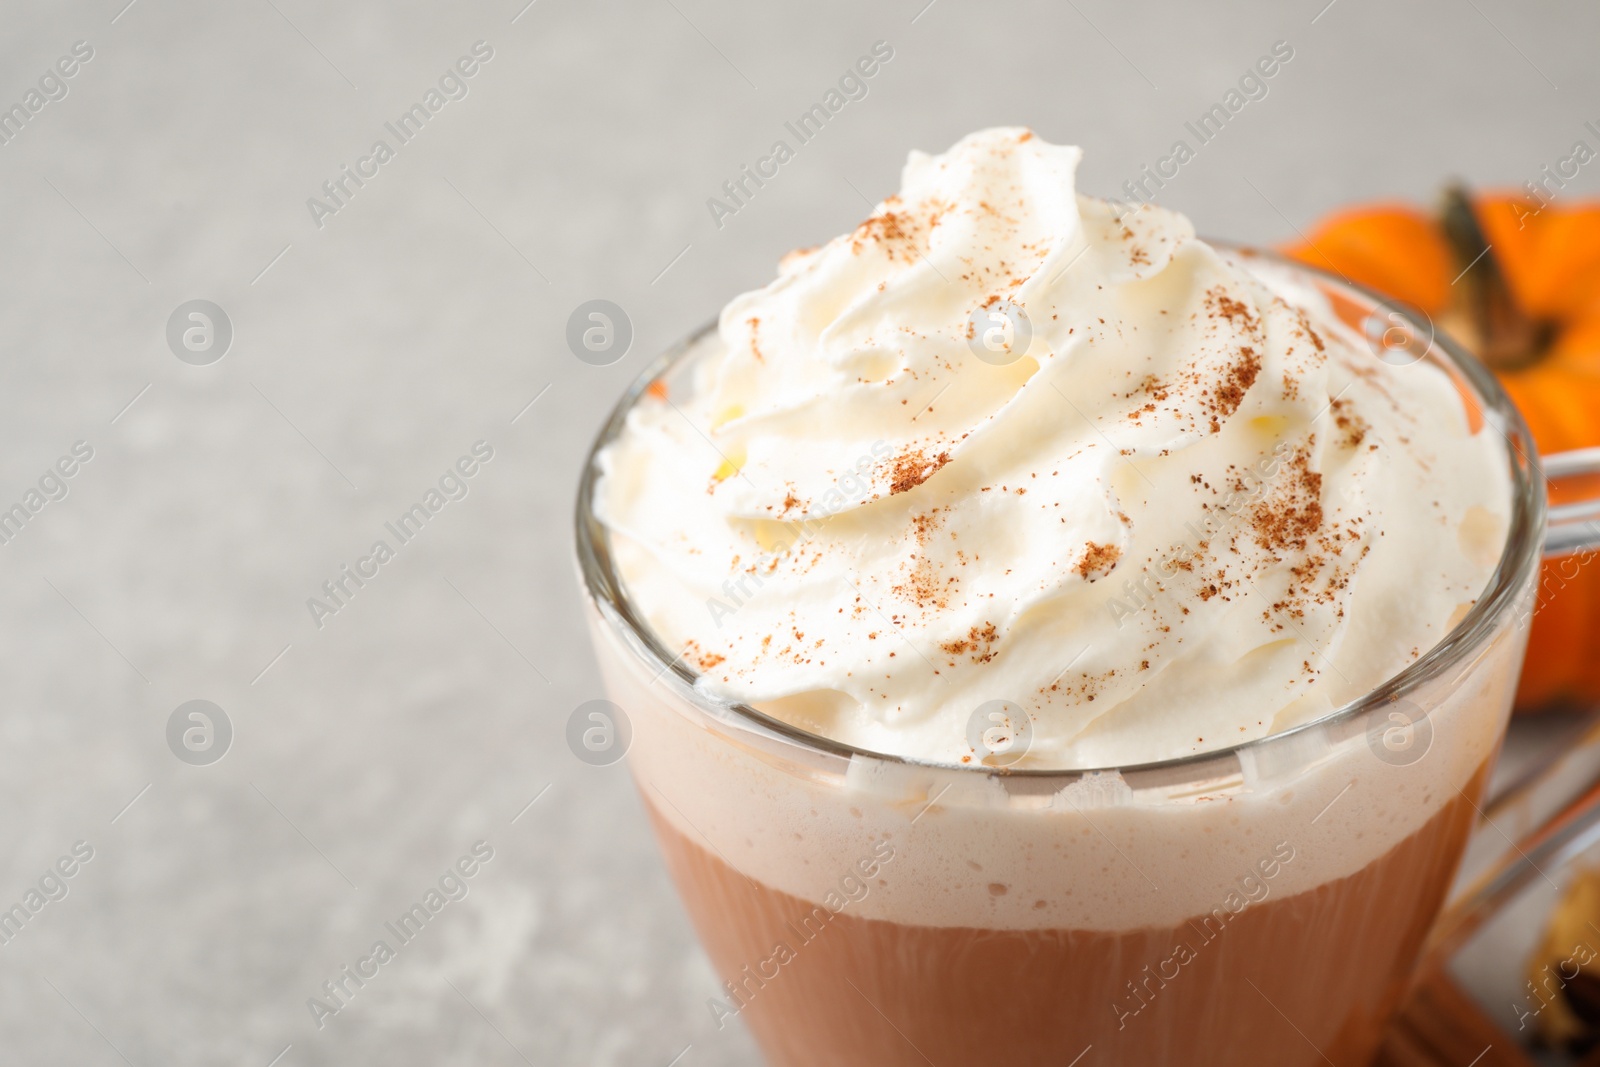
(1519, 284)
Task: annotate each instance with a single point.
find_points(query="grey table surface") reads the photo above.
(374, 345)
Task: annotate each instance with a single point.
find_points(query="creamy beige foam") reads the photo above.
(1195, 511)
(975, 850)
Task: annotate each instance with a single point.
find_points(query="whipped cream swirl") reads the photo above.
(1171, 503)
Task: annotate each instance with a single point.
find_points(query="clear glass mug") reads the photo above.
(1266, 903)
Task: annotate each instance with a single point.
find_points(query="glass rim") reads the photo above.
(1521, 553)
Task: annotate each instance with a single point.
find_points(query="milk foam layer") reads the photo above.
(1194, 510)
(1101, 853)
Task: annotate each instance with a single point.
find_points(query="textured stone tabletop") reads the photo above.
(377, 330)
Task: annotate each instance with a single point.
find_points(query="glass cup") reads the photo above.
(1265, 903)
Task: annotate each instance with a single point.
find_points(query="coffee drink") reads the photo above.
(984, 594)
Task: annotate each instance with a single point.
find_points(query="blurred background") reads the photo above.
(361, 336)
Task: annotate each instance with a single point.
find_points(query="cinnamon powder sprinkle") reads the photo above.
(754, 322)
(702, 658)
(912, 468)
(1354, 426)
(1292, 515)
(979, 641)
(900, 233)
(1235, 311)
(1238, 380)
(1098, 560)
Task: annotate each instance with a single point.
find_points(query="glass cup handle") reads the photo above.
(1562, 838)
(1554, 808)
(1548, 786)
(1439, 1021)
(1550, 816)
(1573, 527)
(1555, 781)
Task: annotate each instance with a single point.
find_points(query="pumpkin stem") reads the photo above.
(1483, 309)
